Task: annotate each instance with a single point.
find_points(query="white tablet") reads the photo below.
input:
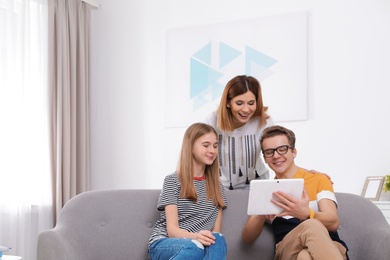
(260, 194)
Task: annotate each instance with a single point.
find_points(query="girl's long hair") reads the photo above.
(186, 167)
(237, 86)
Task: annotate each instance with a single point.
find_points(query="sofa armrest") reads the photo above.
(52, 245)
(374, 243)
(107, 224)
(363, 227)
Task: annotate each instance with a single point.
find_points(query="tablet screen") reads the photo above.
(260, 194)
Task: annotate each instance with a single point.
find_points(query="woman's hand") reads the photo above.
(317, 172)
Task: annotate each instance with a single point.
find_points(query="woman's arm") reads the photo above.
(253, 228)
(317, 172)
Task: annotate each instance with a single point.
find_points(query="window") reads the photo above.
(24, 129)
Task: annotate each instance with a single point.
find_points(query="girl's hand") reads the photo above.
(205, 237)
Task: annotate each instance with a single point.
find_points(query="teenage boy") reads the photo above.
(307, 226)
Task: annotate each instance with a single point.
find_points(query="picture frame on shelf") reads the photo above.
(373, 187)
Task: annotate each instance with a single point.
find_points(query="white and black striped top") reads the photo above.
(239, 153)
(192, 216)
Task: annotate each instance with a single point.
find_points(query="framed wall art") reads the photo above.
(200, 60)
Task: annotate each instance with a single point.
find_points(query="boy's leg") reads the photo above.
(304, 255)
(311, 235)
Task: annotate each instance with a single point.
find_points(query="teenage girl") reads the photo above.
(191, 202)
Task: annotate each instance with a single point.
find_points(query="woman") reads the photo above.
(240, 119)
(191, 202)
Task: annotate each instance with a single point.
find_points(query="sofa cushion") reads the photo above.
(116, 224)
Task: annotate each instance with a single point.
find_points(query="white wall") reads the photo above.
(347, 131)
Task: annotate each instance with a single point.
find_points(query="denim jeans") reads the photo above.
(188, 249)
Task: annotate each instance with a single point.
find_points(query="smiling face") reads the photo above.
(205, 150)
(282, 164)
(242, 108)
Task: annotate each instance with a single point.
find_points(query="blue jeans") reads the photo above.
(188, 249)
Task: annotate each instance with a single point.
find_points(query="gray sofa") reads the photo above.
(116, 224)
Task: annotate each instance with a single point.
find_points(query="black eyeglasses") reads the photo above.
(283, 149)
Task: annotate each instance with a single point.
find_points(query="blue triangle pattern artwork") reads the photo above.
(199, 101)
(227, 54)
(202, 77)
(254, 56)
(204, 54)
(204, 85)
(216, 90)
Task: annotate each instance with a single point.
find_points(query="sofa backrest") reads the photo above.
(116, 224)
(233, 221)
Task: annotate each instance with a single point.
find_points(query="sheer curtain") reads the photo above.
(25, 182)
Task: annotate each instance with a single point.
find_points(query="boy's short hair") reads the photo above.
(278, 130)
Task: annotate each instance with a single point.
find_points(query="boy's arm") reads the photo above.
(299, 208)
(253, 228)
(328, 214)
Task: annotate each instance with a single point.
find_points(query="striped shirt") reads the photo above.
(192, 217)
(239, 151)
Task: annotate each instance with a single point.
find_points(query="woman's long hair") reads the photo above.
(237, 86)
(186, 167)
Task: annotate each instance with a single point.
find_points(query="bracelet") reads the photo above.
(311, 213)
